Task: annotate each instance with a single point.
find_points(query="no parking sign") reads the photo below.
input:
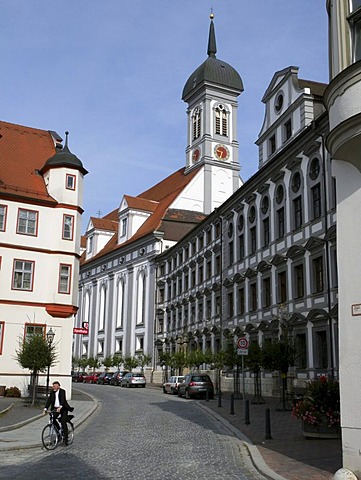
(242, 346)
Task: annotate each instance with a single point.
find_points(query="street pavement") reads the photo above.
(288, 455)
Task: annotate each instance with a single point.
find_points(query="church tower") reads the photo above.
(211, 93)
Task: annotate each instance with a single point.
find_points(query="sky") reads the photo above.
(111, 72)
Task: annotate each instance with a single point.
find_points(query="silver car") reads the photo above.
(133, 380)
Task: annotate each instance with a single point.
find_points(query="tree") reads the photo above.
(117, 360)
(144, 360)
(93, 363)
(107, 362)
(35, 354)
(178, 361)
(254, 361)
(130, 363)
(195, 358)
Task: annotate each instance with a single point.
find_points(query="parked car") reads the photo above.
(133, 380)
(91, 378)
(78, 376)
(196, 384)
(117, 377)
(104, 378)
(172, 385)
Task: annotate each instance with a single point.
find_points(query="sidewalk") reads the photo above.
(288, 455)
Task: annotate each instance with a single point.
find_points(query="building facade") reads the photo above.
(118, 275)
(343, 101)
(268, 254)
(41, 191)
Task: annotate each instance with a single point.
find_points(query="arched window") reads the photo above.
(141, 298)
(86, 314)
(102, 307)
(196, 123)
(120, 304)
(221, 121)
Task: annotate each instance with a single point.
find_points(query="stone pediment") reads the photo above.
(295, 251)
(297, 319)
(264, 266)
(331, 234)
(278, 260)
(314, 243)
(250, 272)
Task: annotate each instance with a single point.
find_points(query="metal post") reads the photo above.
(268, 435)
(243, 386)
(49, 338)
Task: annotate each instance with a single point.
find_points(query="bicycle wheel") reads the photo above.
(49, 437)
(70, 432)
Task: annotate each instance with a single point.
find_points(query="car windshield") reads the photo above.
(200, 378)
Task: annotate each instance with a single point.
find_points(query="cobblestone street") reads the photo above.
(140, 434)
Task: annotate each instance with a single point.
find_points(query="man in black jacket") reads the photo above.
(57, 401)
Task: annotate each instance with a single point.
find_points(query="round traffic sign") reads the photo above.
(242, 343)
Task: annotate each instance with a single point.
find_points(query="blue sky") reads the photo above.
(112, 73)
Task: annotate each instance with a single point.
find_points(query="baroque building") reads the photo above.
(118, 275)
(41, 189)
(343, 101)
(267, 255)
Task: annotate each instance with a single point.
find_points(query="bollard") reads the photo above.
(207, 396)
(231, 412)
(246, 413)
(219, 398)
(268, 435)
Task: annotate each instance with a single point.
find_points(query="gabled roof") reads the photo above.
(104, 224)
(138, 203)
(23, 152)
(164, 193)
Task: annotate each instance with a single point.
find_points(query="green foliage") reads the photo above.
(93, 362)
(83, 363)
(254, 359)
(144, 360)
(12, 392)
(107, 362)
(219, 359)
(195, 358)
(117, 360)
(278, 354)
(178, 361)
(130, 363)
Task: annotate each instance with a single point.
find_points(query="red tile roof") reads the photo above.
(141, 203)
(104, 224)
(24, 151)
(164, 192)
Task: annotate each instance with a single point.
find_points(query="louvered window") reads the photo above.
(221, 121)
(196, 124)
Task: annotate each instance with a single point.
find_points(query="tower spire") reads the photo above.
(212, 48)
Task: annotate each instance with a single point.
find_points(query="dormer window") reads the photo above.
(272, 145)
(124, 227)
(221, 121)
(70, 182)
(196, 120)
(90, 244)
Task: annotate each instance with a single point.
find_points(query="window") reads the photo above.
(32, 329)
(102, 307)
(282, 287)
(120, 302)
(3, 211)
(280, 192)
(201, 241)
(266, 232)
(321, 349)
(90, 244)
(196, 121)
(218, 264)
(253, 240)
(266, 292)
(297, 213)
(124, 226)
(200, 273)
(296, 182)
(141, 298)
(272, 145)
(253, 297)
(68, 225)
(27, 222)
(70, 182)
(200, 310)
(241, 301)
(64, 278)
(355, 22)
(241, 247)
(2, 326)
(280, 222)
(230, 305)
(299, 281)
(316, 201)
(218, 305)
(23, 275)
(300, 350)
(193, 278)
(317, 267)
(221, 121)
(209, 268)
(287, 130)
(230, 254)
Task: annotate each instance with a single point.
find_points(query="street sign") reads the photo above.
(242, 351)
(82, 331)
(243, 343)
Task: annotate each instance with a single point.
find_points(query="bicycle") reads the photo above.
(52, 434)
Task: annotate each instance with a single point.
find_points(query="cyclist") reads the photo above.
(57, 401)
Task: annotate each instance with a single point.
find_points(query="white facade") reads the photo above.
(343, 101)
(40, 251)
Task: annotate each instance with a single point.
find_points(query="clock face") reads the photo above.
(221, 152)
(195, 155)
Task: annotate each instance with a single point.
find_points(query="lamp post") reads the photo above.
(167, 350)
(49, 338)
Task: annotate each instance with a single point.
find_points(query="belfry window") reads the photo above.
(196, 120)
(221, 121)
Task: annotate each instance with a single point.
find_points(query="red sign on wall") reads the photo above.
(82, 331)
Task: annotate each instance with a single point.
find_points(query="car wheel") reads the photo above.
(164, 390)
(143, 386)
(174, 391)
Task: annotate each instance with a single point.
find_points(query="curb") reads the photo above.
(7, 409)
(254, 454)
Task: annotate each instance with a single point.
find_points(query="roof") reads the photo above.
(23, 152)
(64, 158)
(138, 203)
(164, 192)
(213, 71)
(317, 88)
(104, 224)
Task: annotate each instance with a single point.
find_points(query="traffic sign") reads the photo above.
(242, 351)
(82, 331)
(243, 343)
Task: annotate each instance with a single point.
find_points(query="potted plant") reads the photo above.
(319, 409)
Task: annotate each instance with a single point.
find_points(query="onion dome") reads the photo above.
(213, 71)
(64, 158)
